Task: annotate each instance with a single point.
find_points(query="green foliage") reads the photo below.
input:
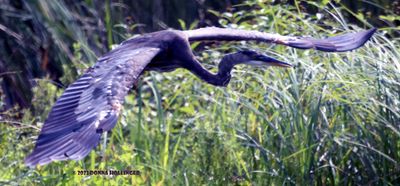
(333, 119)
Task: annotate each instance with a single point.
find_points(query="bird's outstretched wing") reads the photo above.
(90, 106)
(341, 43)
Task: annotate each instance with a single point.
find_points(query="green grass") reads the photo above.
(333, 119)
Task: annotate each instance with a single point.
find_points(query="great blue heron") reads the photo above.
(91, 105)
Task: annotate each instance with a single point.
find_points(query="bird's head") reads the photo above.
(247, 57)
(253, 58)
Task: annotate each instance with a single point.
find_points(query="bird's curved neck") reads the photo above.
(221, 78)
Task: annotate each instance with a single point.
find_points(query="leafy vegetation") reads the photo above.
(332, 119)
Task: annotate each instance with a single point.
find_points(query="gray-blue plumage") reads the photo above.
(91, 105)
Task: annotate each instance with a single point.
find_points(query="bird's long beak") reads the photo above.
(263, 60)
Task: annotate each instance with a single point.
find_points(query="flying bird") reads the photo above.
(92, 104)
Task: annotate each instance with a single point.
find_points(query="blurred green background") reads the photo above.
(333, 119)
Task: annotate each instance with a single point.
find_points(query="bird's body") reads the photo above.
(91, 105)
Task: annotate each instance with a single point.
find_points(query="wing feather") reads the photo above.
(341, 43)
(90, 106)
